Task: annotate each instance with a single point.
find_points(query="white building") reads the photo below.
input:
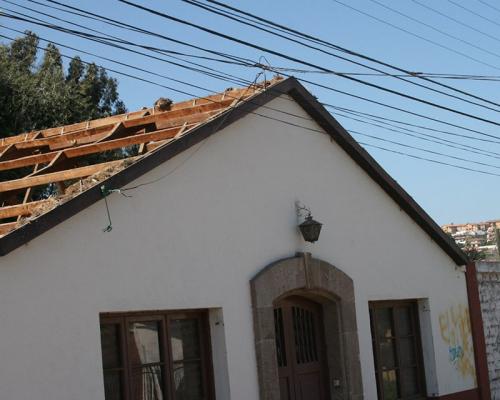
(205, 288)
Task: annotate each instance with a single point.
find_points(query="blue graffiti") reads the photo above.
(455, 353)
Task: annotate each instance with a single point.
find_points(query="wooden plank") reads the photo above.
(27, 193)
(119, 143)
(190, 119)
(7, 227)
(154, 145)
(180, 116)
(18, 138)
(69, 139)
(19, 209)
(91, 148)
(26, 161)
(58, 157)
(59, 176)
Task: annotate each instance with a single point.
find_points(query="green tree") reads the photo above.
(37, 93)
(473, 253)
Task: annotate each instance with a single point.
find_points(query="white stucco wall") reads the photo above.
(196, 238)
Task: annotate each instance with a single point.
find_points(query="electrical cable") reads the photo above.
(473, 12)
(426, 137)
(423, 149)
(451, 144)
(399, 77)
(456, 20)
(183, 91)
(436, 29)
(331, 45)
(489, 5)
(105, 41)
(416, 35)
(427, 159)
(130, 27)
(327, 105)
(294, 59)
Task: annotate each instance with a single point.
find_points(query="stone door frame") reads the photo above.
(323, 283)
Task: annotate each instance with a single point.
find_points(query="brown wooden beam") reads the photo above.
(90, 148)
(20, 209)
(7, 227)
(59, 176)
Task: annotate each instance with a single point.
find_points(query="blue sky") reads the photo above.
(447, 194)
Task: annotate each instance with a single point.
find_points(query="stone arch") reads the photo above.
(322, 282)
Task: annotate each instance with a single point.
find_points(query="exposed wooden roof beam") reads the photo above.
(59, 176)
(69, 139)
(178, 109)
(180, 116)
(7, 227)
(20, 209)
(91, 148)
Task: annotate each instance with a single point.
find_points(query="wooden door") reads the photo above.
(300, 349)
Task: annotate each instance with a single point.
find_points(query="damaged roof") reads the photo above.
(49, 175)
(41, 170)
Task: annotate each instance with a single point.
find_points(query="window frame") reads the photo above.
(123, 319)
(417, 346)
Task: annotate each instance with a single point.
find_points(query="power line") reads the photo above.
(294, 59)
(417, 35)
(146, 32)
(110, 60)
(223, 13)
(276, 119)
(451, 144)
(112, 42)
(231, 16)
(331, 45)
(423, 149)
(436, 29)
(162, 51)
(427, 159)
(357, 112)
(456, 20)
(474, 13)
(424, 137)
(489, 5)
(145, 70)
(135, 29)
(491, 78)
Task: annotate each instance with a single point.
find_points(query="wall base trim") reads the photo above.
(472, 394)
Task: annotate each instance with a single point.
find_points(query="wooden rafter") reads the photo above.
(58, 176)
(70, 131)
(7, 227)
(90, 148)
(20, 209)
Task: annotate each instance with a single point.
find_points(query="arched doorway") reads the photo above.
(300, 349)
(315, 291)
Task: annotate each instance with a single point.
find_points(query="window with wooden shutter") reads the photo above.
(397, 350)
(156, 356)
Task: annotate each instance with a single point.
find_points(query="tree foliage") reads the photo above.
(38, 93)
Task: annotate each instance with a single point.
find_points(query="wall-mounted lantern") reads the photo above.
(310, 228)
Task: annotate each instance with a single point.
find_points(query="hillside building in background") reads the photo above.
(481, 235)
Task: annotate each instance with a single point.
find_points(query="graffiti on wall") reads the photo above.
(454, 325)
